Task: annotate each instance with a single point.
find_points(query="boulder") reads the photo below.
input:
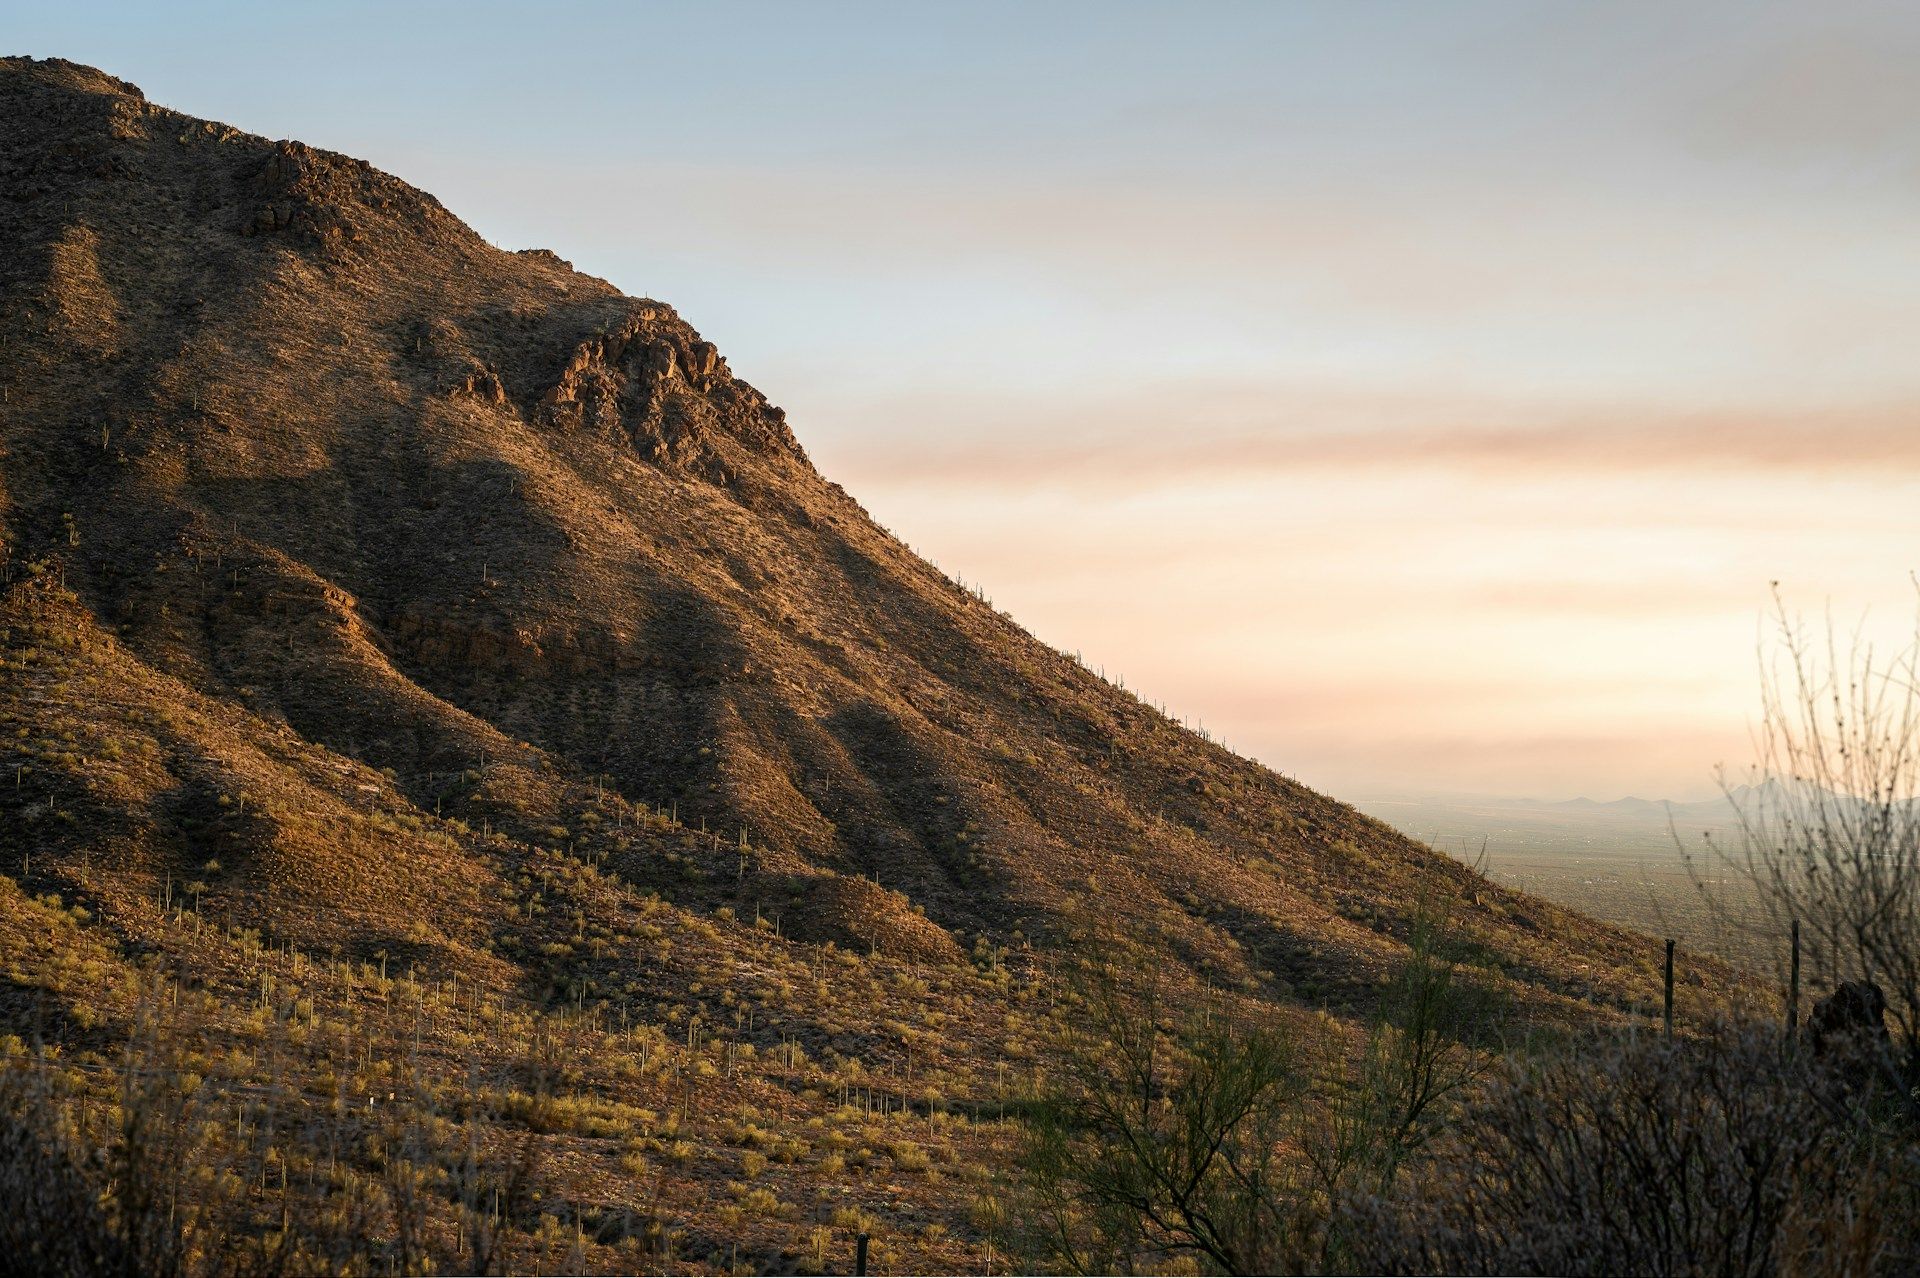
(1850, 1025)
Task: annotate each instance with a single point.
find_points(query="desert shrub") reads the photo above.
(761, 1202)
(1424, 1046)
(184, 1162)
(1184, 1135)
(1176, 1153)
(1827, 833)
(54, 1223)
(1731, 1153)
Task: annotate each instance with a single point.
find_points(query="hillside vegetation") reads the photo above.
(471, 785)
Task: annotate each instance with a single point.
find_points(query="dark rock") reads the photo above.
(1850, 1024)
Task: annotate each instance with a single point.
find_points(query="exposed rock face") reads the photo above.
(653, 381)
(327, 199)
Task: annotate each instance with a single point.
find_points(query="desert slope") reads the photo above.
(368, 544)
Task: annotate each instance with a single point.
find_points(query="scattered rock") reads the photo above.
(483, 386)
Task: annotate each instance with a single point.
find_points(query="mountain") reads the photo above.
(1631, 803)
(1749, 798)
(391, 597)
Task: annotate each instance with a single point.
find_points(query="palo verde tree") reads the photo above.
(1199, 1131)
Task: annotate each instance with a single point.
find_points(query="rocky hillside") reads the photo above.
(358, 573)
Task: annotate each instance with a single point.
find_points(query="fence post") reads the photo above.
(1669, 1012)
(1793, 985)
(860, 1253)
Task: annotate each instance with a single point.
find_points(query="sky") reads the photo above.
(1422, 397)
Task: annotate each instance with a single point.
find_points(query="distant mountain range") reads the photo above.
(1738, 798)
(1634, 805)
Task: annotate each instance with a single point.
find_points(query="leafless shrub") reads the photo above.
(53, 1223)
(1725, 1154)
(1828, 831)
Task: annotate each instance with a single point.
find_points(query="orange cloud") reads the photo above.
(1175, 435)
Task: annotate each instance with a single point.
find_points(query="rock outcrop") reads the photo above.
(326, 199)
(653, 380)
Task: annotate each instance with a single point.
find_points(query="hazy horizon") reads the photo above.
(1420, 398)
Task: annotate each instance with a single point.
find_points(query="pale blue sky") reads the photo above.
(1457, 375)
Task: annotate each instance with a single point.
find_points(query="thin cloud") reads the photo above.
(1176, 437)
